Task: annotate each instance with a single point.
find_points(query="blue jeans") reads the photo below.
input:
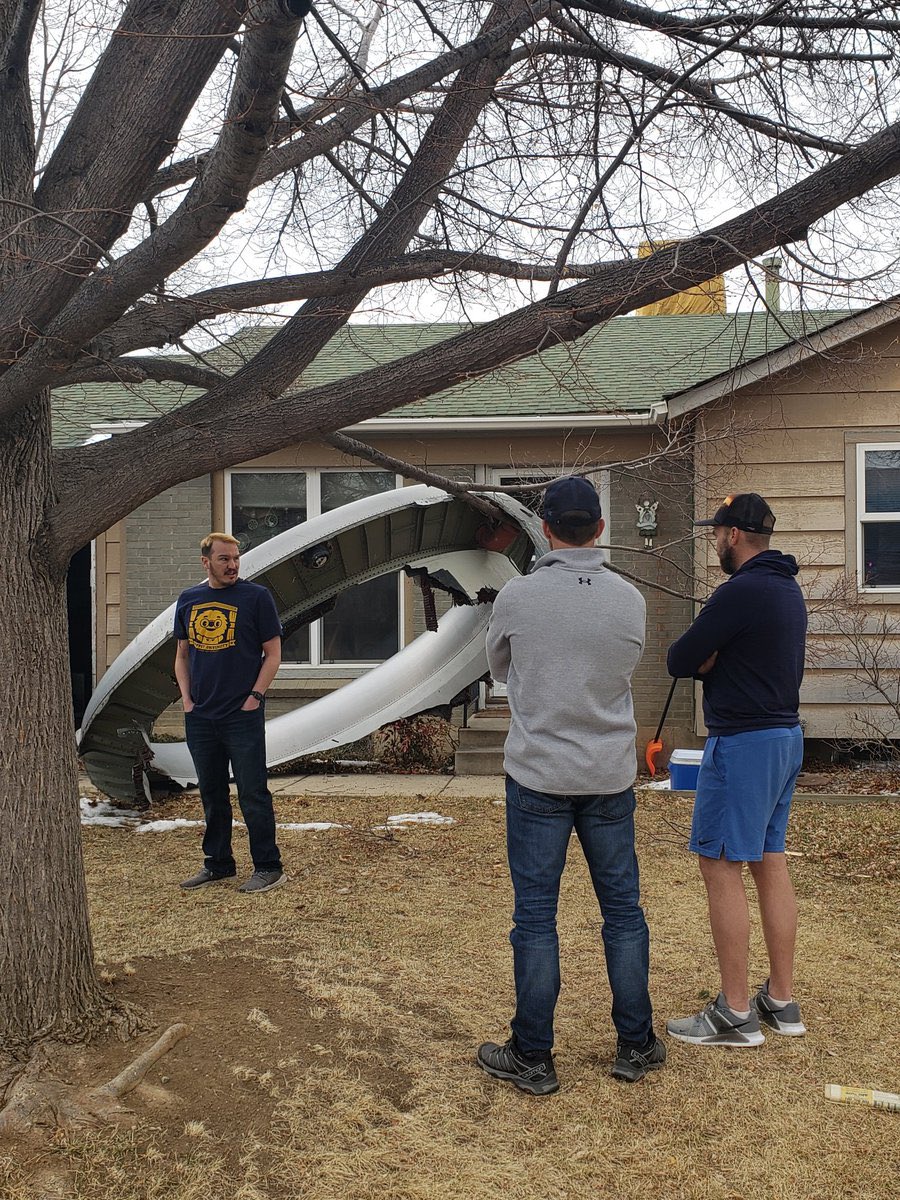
(241, 739)
(538, 829)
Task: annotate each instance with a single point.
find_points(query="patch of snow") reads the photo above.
(355, 762)
(658, 785)
(311, 826)
(99, 812)
(166, 826)
(422, 818)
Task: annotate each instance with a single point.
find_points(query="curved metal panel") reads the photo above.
(305, 568)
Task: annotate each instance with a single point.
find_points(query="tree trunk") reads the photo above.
(47, 979)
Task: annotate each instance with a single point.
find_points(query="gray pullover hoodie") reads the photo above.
(566, 639)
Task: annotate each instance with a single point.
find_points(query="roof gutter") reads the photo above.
(653, 415)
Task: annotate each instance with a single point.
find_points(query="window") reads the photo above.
(364, 625)
(878, 516)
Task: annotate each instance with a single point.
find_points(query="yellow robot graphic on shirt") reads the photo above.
(212, 626)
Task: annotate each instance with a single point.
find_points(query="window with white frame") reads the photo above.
(878, 515)
(364, 625)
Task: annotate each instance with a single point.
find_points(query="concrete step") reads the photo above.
(495, 724)
(479, 762)
(480, 738)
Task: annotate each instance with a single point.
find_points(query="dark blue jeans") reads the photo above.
(538, 829)
(239, 738)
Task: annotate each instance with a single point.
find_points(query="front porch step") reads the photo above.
(480, 749)
(483, 735)
(479, 762)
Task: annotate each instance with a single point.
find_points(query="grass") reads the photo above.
(335, 1022)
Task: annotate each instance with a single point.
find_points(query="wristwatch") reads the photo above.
(260, 696)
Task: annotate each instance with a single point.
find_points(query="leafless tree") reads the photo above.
(342, 150)
(862, 641)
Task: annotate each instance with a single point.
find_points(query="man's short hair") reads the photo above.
(216, 536)
(574, 534)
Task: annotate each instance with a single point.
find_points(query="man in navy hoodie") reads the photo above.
(747, 645)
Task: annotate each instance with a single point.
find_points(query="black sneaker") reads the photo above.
(505, 1062)
(204, 876)
(633, 1062)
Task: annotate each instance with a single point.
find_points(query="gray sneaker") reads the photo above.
(263, 881)
(784, 1019)
(204, 876)
(717, 1025)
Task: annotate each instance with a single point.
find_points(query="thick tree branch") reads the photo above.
(669, 23)
(129, 117)
(16, 31)
(203, 436)
(164, 322)
(138, 369)
(354, 111)
(219, 191)
(17, 23)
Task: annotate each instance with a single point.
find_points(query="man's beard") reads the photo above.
(726, 560)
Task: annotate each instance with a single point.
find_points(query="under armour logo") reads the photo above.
(582, 579)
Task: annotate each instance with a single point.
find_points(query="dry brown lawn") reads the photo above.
(334, 1023)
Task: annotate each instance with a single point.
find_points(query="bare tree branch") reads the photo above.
(194, 435)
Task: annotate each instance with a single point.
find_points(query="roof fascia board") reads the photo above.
(652, 415)
(779, 360)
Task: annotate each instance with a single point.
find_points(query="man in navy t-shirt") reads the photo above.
(747, 645)
(229, 649)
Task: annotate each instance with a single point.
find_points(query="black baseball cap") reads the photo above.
(747, 511)
(571, 501)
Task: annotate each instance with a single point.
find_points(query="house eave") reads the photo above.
(652, 415)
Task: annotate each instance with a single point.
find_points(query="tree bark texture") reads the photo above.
(47, 979)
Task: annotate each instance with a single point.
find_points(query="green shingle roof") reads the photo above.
(623, 366)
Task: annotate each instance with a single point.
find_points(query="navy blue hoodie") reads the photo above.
(756, 620)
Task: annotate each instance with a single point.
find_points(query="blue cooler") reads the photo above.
(684, 767)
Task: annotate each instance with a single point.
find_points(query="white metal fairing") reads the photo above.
(428, 672)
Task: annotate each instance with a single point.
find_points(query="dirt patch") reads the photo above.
(248, 1022)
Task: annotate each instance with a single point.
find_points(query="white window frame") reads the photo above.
(316, 668)
(599, 478)
(863, 518)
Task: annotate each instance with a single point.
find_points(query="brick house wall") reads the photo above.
(667, 616)
(162, 549)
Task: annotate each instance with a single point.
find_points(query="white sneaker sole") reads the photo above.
(718, 1040)
(787, 1028)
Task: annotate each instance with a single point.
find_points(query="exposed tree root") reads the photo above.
(37, 1099)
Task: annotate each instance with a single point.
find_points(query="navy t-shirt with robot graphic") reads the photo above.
(225, 629)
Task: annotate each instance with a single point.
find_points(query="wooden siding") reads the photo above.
(110, 597)
(789, 438)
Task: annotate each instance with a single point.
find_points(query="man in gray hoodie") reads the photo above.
(566, 639)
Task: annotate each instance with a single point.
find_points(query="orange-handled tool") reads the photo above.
(654, 747)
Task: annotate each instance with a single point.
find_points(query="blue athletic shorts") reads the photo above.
(744, 793)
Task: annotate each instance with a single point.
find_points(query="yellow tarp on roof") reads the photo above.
(703, 300)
